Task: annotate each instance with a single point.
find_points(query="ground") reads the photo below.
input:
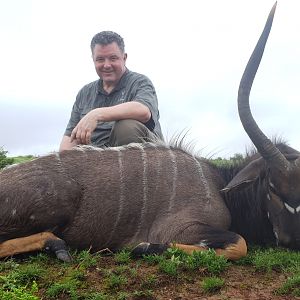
(263, 274)
(241, 282)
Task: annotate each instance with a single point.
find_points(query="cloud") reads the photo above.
(194, 52)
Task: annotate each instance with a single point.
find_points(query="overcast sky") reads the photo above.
(194, 52)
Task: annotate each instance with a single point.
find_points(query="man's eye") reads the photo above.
(114, 58)
(99, 59)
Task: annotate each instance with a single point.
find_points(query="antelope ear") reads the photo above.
(246, 176)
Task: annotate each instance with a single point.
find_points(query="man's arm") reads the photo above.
(128, 110)
(66, 143)
(82, 133)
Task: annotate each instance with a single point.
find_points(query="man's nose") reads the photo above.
(107, 64)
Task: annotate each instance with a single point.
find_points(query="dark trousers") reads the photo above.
(129, 131)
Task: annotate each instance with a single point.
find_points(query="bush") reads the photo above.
(4, 160)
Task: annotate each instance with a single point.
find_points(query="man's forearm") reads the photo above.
(128, 110)
(82, 133)
(66, 143)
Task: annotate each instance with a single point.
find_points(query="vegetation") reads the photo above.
(212, 284)
(290, 287)
(21, 159)
(118, 276)
(232, 161)
(6, 161)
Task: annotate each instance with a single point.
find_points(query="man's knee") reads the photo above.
(129, 131)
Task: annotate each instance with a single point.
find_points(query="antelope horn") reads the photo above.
(264, 145)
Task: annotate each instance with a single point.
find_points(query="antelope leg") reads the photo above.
(232, 251)
(36, 242)
(197, 237)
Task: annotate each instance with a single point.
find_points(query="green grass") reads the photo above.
(95, 277)
(114, 281)
(174, 260)
(85, 258)
(123, 257)
(6, 161)
(68, 288)
(290, 287)
(9, 265)
(150, 281)
(20, 282)
(266, 260)
(97, 296)
(279, 260)
(212, 284)
(169, 267)
(19, 292)
(21, 159)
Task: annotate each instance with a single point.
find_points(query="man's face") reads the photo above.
(109, 62)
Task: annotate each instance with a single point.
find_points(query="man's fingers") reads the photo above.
(78, 135)
(88, 137)
(82, 133)
(73, 134)
(82, 136)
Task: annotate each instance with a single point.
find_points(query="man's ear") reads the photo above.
(125, 57)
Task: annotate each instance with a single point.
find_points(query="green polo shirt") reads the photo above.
(132, 86)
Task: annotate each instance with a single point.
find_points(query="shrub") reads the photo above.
(4, 160)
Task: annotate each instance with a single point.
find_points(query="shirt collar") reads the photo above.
(119, 86)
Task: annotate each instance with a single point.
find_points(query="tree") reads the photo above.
(4, 160)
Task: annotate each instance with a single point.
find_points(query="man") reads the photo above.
(119, 108)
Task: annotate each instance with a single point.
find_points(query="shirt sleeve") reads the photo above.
(146, 94)
(74, 118)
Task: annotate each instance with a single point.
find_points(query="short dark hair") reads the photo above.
(106, 38)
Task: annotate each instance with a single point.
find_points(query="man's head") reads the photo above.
(108, 52)
(107, 37)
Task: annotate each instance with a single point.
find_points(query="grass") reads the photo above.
(20, 283)
(96, 277)
(114, 281)
(21, 159)
(19, 293)
(290, 287)
(266, 260)
(6, 161)
(174, 260)
(212, 284)
(85, 259)
(68, 287)
(123, 257)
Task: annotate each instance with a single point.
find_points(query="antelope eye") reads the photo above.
(275, 203)
(272, 188)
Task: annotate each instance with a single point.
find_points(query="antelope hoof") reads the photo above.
(148, 249)
(59, 247)
(63, 255)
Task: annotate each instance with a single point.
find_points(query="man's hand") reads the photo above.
(83, 131)
(129, 110)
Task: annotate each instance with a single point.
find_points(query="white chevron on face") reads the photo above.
(292, 210)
